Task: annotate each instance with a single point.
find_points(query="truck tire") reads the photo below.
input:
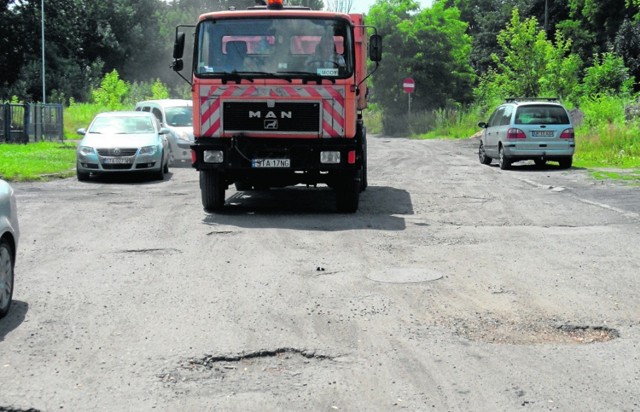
(348, 195)
(212, 190)
(361, 132)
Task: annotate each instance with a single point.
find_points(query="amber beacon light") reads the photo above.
(274, 4)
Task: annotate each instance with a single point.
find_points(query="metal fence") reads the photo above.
(33, 122)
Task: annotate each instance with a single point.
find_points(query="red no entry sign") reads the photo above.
(408, 85)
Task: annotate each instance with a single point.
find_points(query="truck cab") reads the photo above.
(278, 95)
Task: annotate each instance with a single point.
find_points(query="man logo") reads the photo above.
(271, 125)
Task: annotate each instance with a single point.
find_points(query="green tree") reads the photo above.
(531, 64)
(112, 91)
(607, 76)
(430, 46)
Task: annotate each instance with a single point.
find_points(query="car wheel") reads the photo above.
(6, 276)
(505, 163)
(160, 173)
(566, 163)
(482, 155)
(212, 190)
(82, 176)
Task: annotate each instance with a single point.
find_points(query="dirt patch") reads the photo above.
(536, 333)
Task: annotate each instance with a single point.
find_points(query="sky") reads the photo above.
(362, 6)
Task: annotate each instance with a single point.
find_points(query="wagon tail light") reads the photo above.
(567, 134)
(515, 134)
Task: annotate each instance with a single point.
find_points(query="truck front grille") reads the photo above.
(283, 117)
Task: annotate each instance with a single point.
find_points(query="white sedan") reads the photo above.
(9, 234)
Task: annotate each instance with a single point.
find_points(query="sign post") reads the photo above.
(408, 85)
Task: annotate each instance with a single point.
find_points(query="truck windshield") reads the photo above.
(274, 47)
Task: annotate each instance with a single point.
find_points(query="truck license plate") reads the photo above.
(270, 163)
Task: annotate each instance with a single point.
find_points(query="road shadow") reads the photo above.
(530, 166)
(128, 178)
(15, 317)
(313, 209)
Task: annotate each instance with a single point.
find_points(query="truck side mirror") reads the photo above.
(375, 48)
(178, 45)
(178, 51)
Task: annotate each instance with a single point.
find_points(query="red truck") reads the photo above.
(278, 94)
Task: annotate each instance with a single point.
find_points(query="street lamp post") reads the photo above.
(44, 93)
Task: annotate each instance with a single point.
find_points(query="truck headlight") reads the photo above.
(330, 157)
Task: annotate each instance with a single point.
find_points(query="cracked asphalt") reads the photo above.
(455, 287)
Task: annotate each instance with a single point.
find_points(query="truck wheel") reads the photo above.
(212, 190)
(364, 182)
(348, 195)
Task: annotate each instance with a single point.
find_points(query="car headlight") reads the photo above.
(183, 136)
(148, 150)
(86, 150)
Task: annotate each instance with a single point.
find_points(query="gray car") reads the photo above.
(123, 142)
(177, 116)
(9, 234)
(528, 129)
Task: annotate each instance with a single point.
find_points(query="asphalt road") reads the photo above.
(456, 287)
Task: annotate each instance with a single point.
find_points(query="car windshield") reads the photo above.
(179, 116)
(282, 47)
(541, 114)
(122, 125)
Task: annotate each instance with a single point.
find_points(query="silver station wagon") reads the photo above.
(528, 129)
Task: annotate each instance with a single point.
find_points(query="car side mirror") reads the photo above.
(81, 132)
(164, 130)
(482, 125)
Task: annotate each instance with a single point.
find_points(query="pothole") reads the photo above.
(152, 251)
(404, 275)
(537, 333)
(251, 368)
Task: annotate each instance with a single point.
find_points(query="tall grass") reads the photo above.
(608, 145)
(34, 161)
(79, 115)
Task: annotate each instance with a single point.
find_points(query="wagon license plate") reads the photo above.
(271, 163)
(541, 133)
(117, 161)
